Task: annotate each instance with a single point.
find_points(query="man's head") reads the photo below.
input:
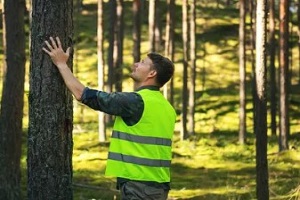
(163, 67)
(153, 70)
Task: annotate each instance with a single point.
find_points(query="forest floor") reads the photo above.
(210, 165)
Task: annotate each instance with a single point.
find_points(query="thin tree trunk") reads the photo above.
(101, 69)
(136, 30)
(192, 87)
(184, 134)
(284, 77)
(169, 47)
(242, 66)
(50, 144)
(112, 19)
(118, 47)
(272, 47)
(252, 10)
(12, 99)
(298, 31)
(167, 44)
(262, 183)
(151, 27)
(158, 27)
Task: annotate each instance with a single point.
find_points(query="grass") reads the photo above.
(211, 164)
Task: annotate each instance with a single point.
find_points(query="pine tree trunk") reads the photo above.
(284, 78)
(185, 31)
(242, 66)
(111, 39)
(169, 47)
(192, 87)
(262, 185)
(272, 45)
(101, 69)
(12, 100)
(118, 47)
(151, 27)
(136, 30)
(252, 10)
(49, 158)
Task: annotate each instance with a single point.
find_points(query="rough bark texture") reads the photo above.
(262, 185)
(192, 72)
(284, 75)
(169, 47)
(136, 33)
(272, 44)
(12, 100)
(101, 69)
(50, 143)
(242, 67)
(185, 38)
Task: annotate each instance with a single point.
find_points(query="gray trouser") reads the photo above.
(132, 190)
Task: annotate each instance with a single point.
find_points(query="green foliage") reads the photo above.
(210, 165)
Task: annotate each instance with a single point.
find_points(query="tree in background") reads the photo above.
(272, 53)
(101, 68)
(136, 33)
(111, 40)
(158, 26)
(12, 99)
(49, 156)
(252, 12)
(192, 72)
(298, 31)
(284, 74)
(260, 129)
(118, 46)
(185, 40)
(242, 68)
(169, 47)
(151, 24)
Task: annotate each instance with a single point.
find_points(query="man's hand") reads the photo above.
(56, 52)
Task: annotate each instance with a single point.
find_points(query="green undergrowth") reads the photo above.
(210, 165)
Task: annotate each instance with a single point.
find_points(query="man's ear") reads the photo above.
(152, 73)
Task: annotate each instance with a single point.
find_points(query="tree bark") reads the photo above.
(12, 99)
(136, 8)
(101, 69)
(185, 39)
(242, 66)
(169, 48)
(272, 47)
(151, 26)
(192, 87)
(284, 76)
(49, 158)
(118, 47)
(111, 39)
(262, 185)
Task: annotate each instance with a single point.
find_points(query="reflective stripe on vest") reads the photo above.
(142, 139)
(139, 161)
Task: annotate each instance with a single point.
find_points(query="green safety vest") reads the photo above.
(143, 151)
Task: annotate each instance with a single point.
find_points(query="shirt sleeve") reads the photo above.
(124, 104)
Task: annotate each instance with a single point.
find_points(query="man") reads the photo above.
(140, 146)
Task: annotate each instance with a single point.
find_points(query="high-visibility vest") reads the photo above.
(143, 151)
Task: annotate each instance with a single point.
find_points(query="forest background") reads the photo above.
(211, 164)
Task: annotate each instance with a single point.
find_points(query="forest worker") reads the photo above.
(140, 146)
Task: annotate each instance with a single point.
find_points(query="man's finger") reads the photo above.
(58, 42)
(46, 50)
(68, 51)
(53, 42)
(48, 45)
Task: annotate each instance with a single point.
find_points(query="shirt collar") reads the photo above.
(149, 87)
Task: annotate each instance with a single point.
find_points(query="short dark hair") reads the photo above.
(163, 66)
